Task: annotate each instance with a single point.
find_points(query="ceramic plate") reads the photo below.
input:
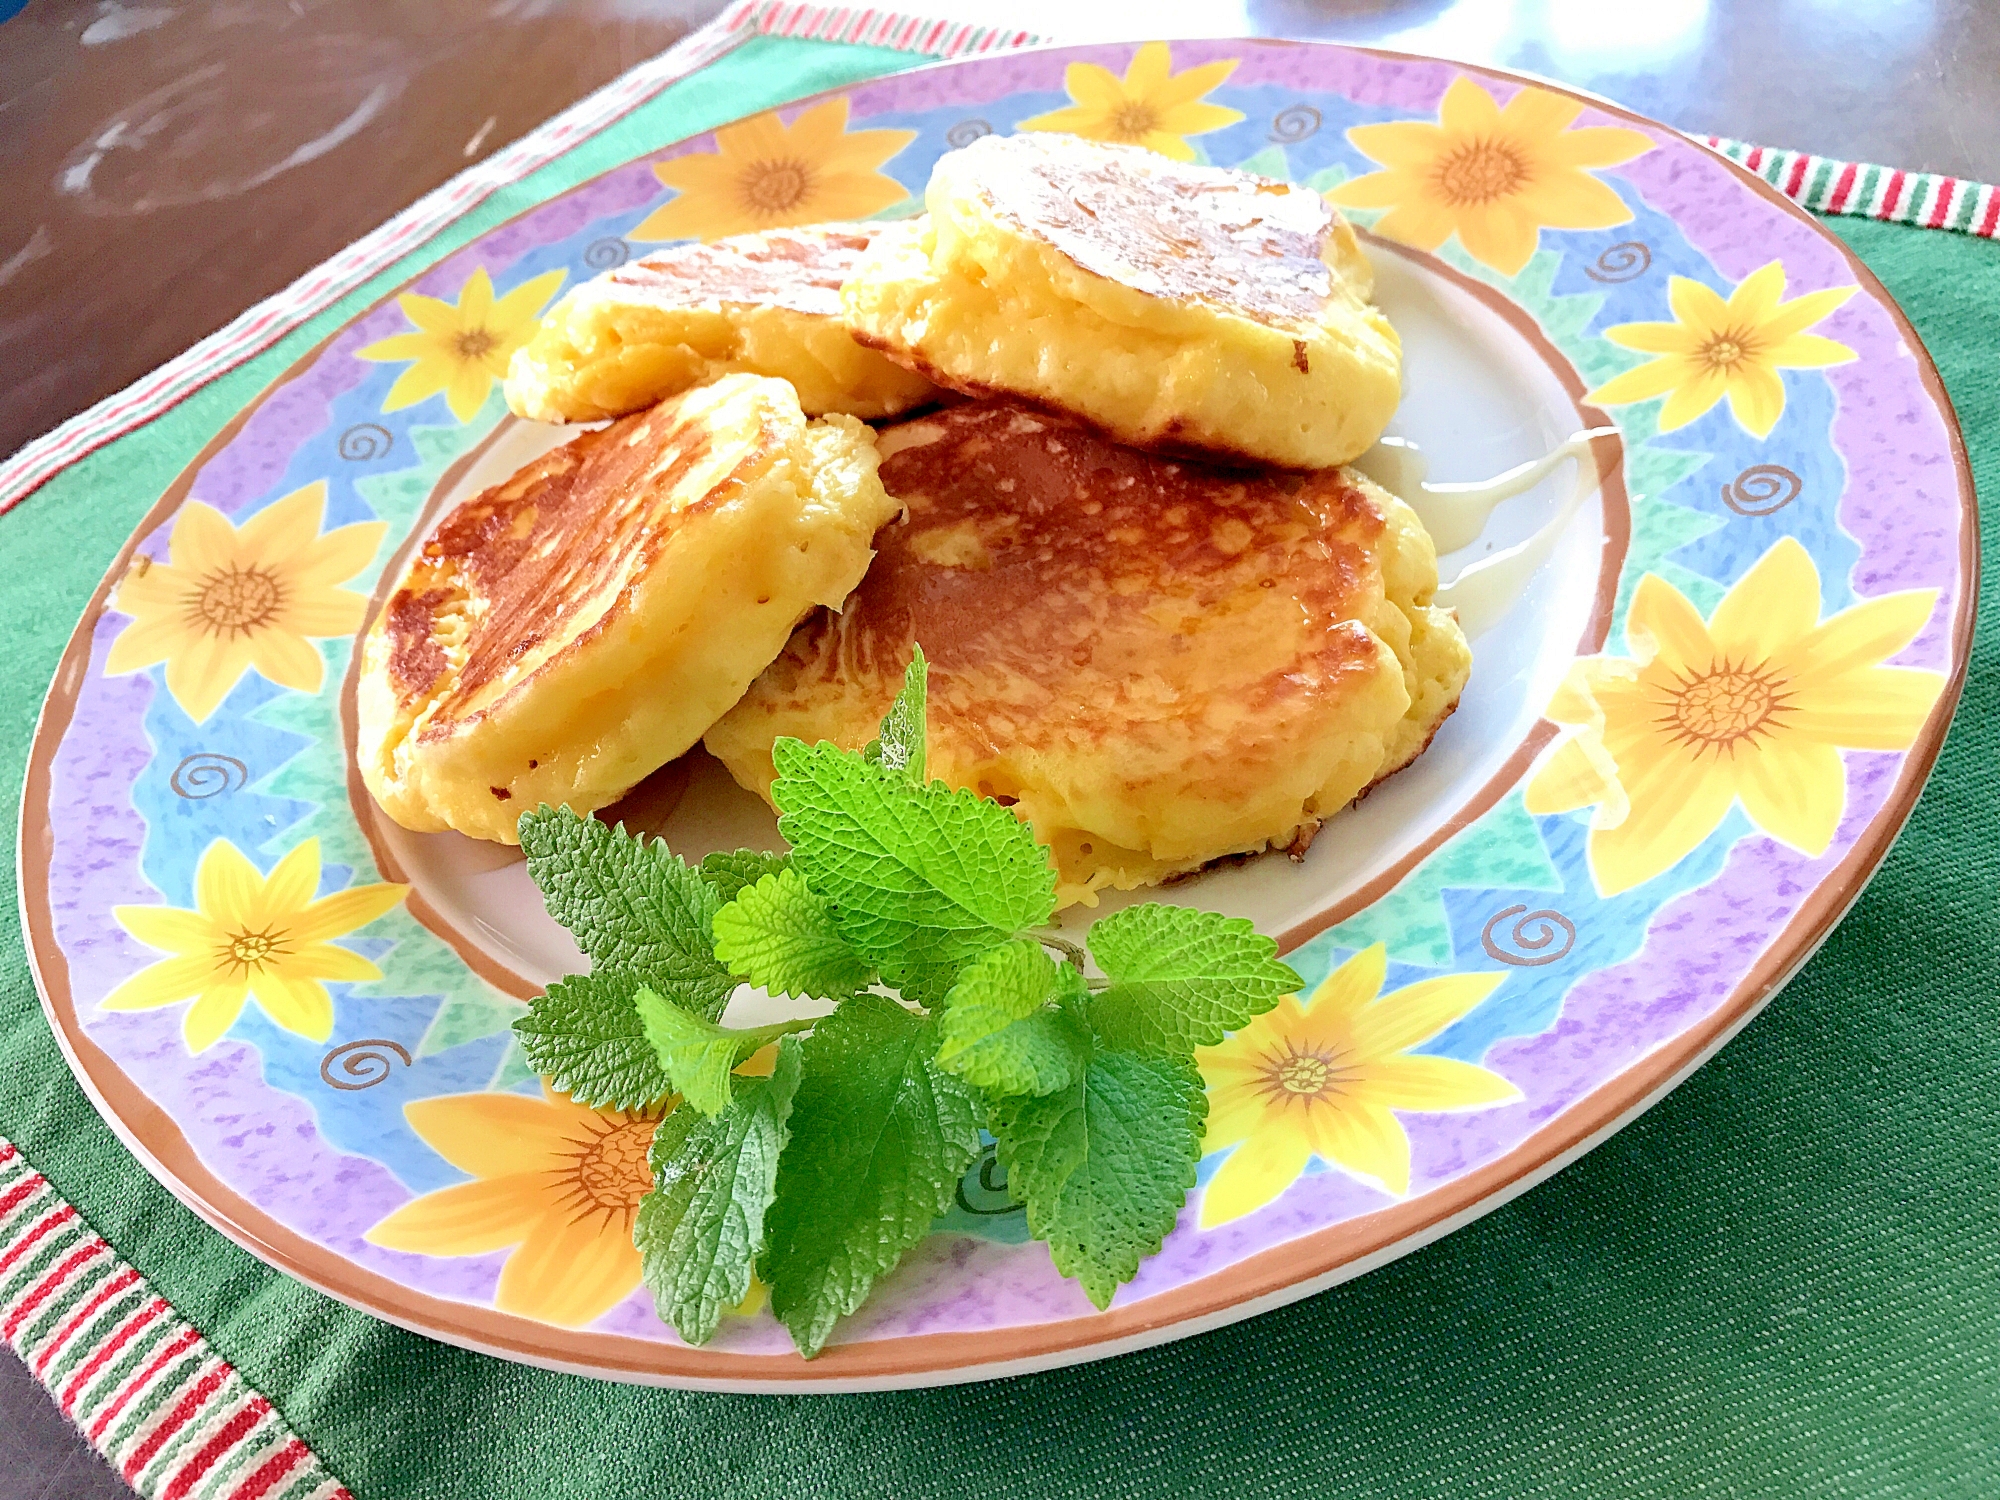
(1687, 741)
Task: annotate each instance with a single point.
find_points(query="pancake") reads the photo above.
(761, 304)
(559, 636)
(1159, 663)
(1180, 307)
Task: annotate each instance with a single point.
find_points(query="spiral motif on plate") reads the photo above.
(1627, 260)
(1532, 932)
(363, 1064)
(1294, 123)
(993, 1199)
(606, 254)
(1762, 489)
(205, 774)
(363, 442)
(965, 132)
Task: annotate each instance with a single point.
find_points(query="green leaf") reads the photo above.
(700, 1230)
(633, 906)
(584, 1035)
(728, 873)
(998, 1032)
(880, 1137)
(698, 1055)
(781, 937)
(1105, 1164)
(921, 877)
(924, 984)
(1181, 978)
(901, 745)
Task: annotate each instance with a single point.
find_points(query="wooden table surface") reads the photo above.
(164, 164)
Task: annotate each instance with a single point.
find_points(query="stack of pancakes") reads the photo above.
(1112, 396)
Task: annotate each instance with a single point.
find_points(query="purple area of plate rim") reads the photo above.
(253, 462)
(102, 756)
(1901, 498)
(264, 1142)
(617, 191)
(1388, 82)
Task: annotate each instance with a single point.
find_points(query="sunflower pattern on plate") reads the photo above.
(460, 347)
(252, 935)
(1770, 656)
(1322, 1078)
(1753, 705)
(554, 1183)
(1496, 177)
(1151, 106)
(1736, 348)
(765, 174)
(230, 598)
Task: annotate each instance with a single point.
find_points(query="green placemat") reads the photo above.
(1781, 1281)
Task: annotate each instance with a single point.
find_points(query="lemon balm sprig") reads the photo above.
(922, 913)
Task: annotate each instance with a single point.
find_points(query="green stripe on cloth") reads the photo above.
(57, 1361)
(73, 1295)
(1782, 1281)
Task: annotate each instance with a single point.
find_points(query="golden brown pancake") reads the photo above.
(1177, 306)
(561, 635)
(761, 304)
(1159, 662)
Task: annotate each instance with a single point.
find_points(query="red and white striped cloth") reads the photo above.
(1929, 200)
(162, 1407)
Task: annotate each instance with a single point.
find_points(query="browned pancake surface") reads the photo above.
(510, 571)
(1052, 566)
(559, 636)
(800, 269)
(1159, 662)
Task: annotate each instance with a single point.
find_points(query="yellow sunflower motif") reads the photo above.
(1323, 1077)
(252, 935)
(1494, 177)
(1753, 707)
(1151, 106)
(229, 598)
(765, 174)
(559, 1182)
(462, 347)
(1714, 349)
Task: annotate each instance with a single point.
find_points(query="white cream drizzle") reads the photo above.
(1456, 514)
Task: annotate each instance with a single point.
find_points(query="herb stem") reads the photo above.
(760, 1036)
(1064, 946)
